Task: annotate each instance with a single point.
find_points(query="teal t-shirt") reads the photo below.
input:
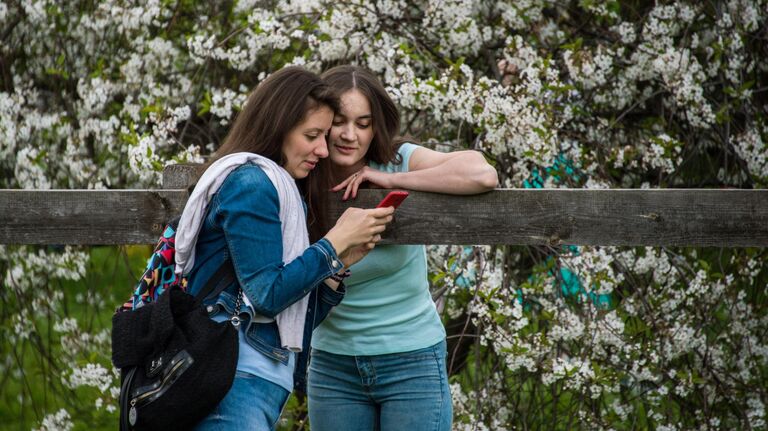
(387, 307)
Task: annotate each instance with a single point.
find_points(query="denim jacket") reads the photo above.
(242, 223)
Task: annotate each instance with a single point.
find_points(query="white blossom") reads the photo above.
(59, 421)
(90, 375)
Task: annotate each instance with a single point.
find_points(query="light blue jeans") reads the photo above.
(252, 404)
(399, 391)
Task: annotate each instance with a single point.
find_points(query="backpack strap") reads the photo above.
(220, 280)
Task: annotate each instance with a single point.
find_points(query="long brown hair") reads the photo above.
(384, 113)
(274, 108)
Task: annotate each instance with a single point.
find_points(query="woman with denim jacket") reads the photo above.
(281, 132)
(378, 360)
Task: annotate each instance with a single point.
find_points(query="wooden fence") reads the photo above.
(660, 217)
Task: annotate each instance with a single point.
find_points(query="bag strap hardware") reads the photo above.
(235, 319)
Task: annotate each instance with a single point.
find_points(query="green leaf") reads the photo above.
(704, 265)
(205, 104)
(573, 46)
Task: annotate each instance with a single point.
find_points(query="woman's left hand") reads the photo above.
(377, 178)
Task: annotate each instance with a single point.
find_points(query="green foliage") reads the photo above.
(35, 366)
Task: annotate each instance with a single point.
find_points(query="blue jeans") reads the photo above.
(252, 404)
(399, 391)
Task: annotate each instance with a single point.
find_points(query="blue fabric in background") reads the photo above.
(571, 285)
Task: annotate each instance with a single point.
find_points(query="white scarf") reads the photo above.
(290, 322)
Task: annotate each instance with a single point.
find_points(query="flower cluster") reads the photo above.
(59, 421)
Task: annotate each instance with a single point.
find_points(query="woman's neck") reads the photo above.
(341, 173)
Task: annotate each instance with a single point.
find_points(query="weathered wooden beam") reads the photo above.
(679, 217)
(698, 217)
(86, 216)
(671, 217)
(180, 176)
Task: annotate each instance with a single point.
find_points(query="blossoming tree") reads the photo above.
(580, 94)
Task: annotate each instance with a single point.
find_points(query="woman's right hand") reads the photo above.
(357, 231)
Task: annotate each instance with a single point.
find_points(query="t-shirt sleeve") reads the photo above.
(405, 151)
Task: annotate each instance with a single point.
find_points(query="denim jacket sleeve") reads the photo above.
(247, 210)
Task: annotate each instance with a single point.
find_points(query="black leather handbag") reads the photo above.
(176, 363)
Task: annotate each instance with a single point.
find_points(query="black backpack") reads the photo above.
(176, 363)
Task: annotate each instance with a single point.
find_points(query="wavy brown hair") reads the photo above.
(274, 108)
(384, 113)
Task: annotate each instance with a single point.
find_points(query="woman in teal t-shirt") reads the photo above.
(378, 360)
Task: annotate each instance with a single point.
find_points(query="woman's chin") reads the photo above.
(344, 161)
(298, 173)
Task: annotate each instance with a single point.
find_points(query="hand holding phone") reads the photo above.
(393, 199)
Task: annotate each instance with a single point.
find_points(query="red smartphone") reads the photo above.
(393, 199)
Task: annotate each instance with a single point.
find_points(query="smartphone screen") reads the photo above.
(393, 199)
